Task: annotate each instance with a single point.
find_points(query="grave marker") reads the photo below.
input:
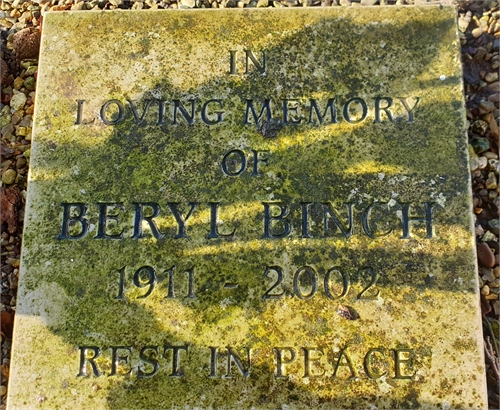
(249, 209)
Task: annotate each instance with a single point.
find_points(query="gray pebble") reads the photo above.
(21, 162)
(486, 107)
(494, 226)
(491, 77)
(495, 283)
(491, 182)
(17, 101)
(480, 53)
(488, 236)
(483, 162)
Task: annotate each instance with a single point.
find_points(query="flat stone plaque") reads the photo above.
(235, 209)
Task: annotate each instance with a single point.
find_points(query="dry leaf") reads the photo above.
(347, 312)
(4, 370)
(7, 319)
(9, 200)
(485, 305)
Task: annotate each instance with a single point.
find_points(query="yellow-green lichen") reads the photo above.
(252, 298)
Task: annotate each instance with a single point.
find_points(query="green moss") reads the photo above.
(407, 302)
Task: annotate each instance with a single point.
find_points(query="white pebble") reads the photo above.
(17, 101)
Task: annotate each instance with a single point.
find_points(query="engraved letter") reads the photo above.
(406, 219)
(409, 110)
(266, 106)
(368, 363)
(364, 107)
(120, 114)
(214, 230)
(84, 359)
(149, 360)
(280, 361)
(348, 363)
(139, 119)
(232, 61)
(398, 361)
(213, 361)
(139, 217)
(79, 112)
(249, 55)
(287, 226)
(204, 115)
(328, 211)
(176, 371)
(330, 105)
(378, 108)
(181, 222)
(116, 360)
(104, 217)
(179, 107)
(305, 219)
(365, 219)
(70, 220)
(257, 160)
(242, 162)
(307, 362)
(296, 118)
(161, 112)
(232, 356)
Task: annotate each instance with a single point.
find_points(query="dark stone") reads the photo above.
(485, 255)
(480, 145)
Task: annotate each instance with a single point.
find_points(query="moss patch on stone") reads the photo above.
(328, 304)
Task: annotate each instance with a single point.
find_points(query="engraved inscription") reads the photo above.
(229, 362)
(306, 279)
(146, 278)
(279, 220)
(268, 214)
(235, 162)
(251, 60)
(286, 112)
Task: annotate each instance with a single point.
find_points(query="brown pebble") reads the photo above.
(4, 71)
(494, 87)
(477, 32)
(485, 255)
(486, 107)
(495, 283)
(14, 262)
(26, 43)
(494, 128)
(494, 98)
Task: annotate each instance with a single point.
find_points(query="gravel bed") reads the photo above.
(479, 25)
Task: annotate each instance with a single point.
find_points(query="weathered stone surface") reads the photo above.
(198, 258)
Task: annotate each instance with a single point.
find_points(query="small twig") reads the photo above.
(490, 355)
(490, 330)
